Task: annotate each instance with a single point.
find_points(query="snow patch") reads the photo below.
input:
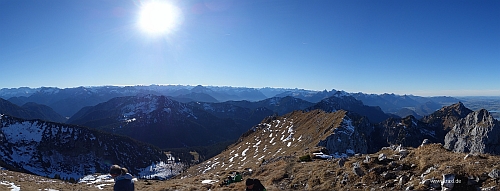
(244, 152)
(23, 132)
(161, 170)
(12, 187)
(346, 128)
(209, 181)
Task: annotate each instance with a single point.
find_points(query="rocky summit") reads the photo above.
(318, 150)
(478, 132)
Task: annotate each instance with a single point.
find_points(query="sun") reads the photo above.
(158, 17)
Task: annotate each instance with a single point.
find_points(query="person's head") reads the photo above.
(116, 170)
(249, 183)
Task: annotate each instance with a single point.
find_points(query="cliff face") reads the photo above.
(407, 131)
(350, 137)
(478, 132)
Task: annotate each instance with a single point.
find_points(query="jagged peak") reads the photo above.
(340, 93)
(340, 98)
(457, 109)
(481, 116)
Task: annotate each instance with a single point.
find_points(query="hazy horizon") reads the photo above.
(397, 93)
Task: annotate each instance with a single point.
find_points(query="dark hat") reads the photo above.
(249, 182)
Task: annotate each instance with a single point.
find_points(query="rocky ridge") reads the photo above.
(277, 151)
(478, 132)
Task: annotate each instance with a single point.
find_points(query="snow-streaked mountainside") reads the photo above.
(294, 134)
(158, 120)
(170, 123)
(68, 151)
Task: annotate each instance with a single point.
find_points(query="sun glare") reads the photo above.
(158, 17)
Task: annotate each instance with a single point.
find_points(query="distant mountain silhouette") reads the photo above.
(195, 97)
(68, 101)
(30, 111)
(349, 103)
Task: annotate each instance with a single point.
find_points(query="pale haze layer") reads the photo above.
(405, 47)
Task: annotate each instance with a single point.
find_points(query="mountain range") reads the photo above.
(136, 126)
(68, 101)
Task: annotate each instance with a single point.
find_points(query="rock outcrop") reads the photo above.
(442, 120)
(478, 132)
(407, 132)
(351, 137)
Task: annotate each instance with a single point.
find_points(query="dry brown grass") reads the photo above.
(288, 173)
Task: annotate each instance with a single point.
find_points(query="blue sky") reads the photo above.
(419, 47)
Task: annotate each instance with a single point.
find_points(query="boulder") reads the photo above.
(388, 175)
(382, 157)
(403, 179)
(367, 159)
(495, 174)
(345, 178)
(403, 153)
(357, 170)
